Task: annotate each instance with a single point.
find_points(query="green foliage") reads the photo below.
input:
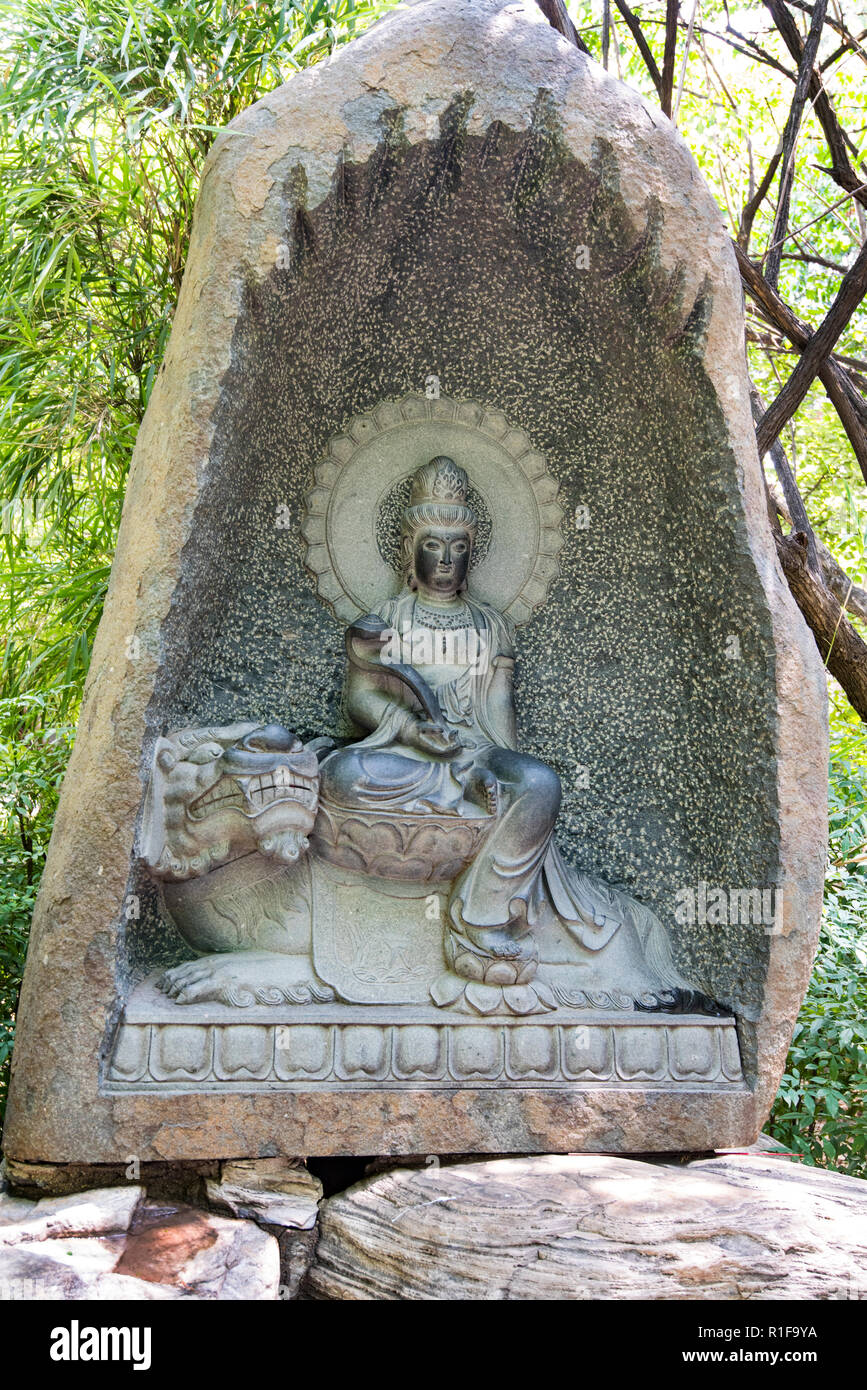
(820, 1109)
(107, 110)
(34, 747)
(732, 113)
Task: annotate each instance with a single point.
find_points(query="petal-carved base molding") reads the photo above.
(343, 1047)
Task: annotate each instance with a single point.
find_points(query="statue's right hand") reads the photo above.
(435, 739)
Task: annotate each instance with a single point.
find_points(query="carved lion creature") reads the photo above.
(216, 794)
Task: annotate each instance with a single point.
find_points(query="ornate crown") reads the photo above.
(439, 481)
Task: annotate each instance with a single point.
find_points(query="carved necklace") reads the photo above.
(455, 617)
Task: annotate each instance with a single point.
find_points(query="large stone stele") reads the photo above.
(595, 1227)
(459, 202)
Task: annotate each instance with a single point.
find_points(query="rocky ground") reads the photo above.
(753, 1225)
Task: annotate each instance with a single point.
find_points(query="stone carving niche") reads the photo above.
(460, 790)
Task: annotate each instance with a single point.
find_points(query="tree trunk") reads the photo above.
(843, 651)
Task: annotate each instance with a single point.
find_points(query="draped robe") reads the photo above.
(519, 872)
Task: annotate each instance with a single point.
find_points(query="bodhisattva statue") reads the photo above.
(429, 686)
(461, 756)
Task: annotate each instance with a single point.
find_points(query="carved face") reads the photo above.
(215, 794)
(441, 559)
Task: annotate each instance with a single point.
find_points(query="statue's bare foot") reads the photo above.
(483, 790)
(493, 955)
(243, 978)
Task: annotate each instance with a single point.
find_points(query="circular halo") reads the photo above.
(377, 451)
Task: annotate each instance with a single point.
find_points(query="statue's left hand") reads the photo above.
(436, 739)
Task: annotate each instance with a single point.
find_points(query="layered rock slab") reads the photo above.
(272, 1191)
(590, 1227)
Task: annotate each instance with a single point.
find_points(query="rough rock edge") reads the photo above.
(113, 1243)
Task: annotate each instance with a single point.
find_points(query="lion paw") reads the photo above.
(244, 978)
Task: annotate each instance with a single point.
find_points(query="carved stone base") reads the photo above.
(334, 1047)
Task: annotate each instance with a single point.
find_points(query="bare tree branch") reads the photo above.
(842, 649)
(814, 260)
(753, 50)
(688, 45)
(558, 16)
(816, 352)
(748, 215)
(771, 341)
(853, 46)
(852, 596)
(837, 140)
(794, 501)
(672, 10)
(642, 45)
(847, 401)
(850, 41)
(829, 207)
(790, 136)
(820, 585)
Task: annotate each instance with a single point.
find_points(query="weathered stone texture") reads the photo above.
(112, 1243)
(592, 1227)
(272, 1191)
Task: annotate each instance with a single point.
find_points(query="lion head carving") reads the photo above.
(215, 794)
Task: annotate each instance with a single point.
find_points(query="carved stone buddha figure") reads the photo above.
(459, 755)
(242, 823)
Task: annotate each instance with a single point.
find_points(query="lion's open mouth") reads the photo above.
(252, 795)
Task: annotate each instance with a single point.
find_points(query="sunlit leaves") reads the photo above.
(106, 113)
(732, 114)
